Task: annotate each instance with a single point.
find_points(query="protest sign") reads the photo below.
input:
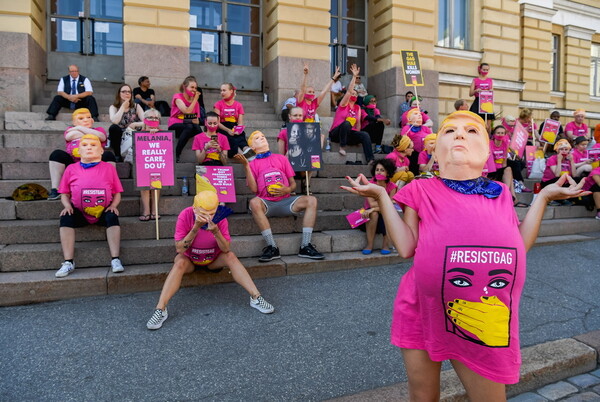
(518, 142)
(486, 102)
(304, 146)
(413, 76)
(153, 160)
(355, 218)
(550, 131)
(221, 178)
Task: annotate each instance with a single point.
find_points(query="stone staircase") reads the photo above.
(30, 251)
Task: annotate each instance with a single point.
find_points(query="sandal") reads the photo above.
(144, 218)
(153, 217)
(366, 251)
(521, 205)
(342, 152)
(385, 252)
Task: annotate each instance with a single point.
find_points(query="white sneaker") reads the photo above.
(261, 305)
(117, 266)
(157, 319)
(65, 269)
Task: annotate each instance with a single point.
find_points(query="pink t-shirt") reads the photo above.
(553, 161)
(398, 159)
(366, 122)
(404, 119)
(202, 139)
(347, 113)
(578, 131)
(229, 113)
(589, 181)
(283, 137)
(416, 137)
(579, 156)
(176, 113)
(485, 85)
(460, 255)
(274, 169)
(310, 109)
(90, 188)
(424, 158)
(389, 187)
(499, 153)
(204, 249)
(72, 147)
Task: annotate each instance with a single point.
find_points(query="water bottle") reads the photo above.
(328, 145)
(184, 188)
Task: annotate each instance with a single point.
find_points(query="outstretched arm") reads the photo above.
(303, 86)
(355, 72)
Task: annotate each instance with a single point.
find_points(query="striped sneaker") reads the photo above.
(157, 319)
(65, 269)
(261, 305)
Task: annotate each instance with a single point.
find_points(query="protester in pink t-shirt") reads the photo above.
(90, 194)
(499, 154)
(577, 128)
(345, 128)
(560, 164)
(403, 149)
(372, 122)
(482, 83)
(526, 120)
(200, 242)
(460, 299)
(295, 116)
(211, 147)
(186, 114)
(583, 163)
(271, 178)
(308, 101)
(381, 171)
(592, 183)
(231, 123)
(404, 119)
(427, 163)
(416, 131)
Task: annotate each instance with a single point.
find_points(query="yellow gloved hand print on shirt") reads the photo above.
(488, 320)
(94, 211)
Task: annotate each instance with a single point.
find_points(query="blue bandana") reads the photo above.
(88, 165)
(264, 155)
(415, 129)
(482, 186)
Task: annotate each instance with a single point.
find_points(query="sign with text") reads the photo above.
(518, 142)
(550, 131)
(221, 178)
(413, 76)
(304, 146)
(153, 161)
(486, 102)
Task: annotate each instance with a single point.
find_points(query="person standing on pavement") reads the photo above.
(75, 92)
(201, 243)
(460, 299)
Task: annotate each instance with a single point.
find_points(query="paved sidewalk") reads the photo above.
(583, 387)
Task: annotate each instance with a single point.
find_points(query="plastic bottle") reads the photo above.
(328, 145)
(184, 188)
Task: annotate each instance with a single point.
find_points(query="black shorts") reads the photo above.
(77, 220)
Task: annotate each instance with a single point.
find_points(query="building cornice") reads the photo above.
(537, 12)
(457, 53)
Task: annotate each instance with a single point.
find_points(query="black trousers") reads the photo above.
(59, 102)
(184, 131)
(375, 131)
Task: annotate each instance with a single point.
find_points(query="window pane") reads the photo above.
(245, 50)
(353, 9)
(459, 29)
(443, 25)
(65, 35)
(66, 7)
(111, 9)
(207, 53)
(246, 1)
(595, 50)
(243, 19)
(333, 30)
(334, 7)
(355, 56)
(108, 38)
(208, 14)
(353, 33)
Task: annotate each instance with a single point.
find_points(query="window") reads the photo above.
(555, 63)
(453, 26)
(595, 70)
(348, 34)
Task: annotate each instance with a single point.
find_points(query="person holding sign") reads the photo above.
(482, 83)
(211, 146)
(185, 114)
(231, 119)
(307, 99)
(555, 116)
(59, 159)
(202, 243)
(271, 178)
(577, 128)
(345, 128)
(90, 193)
(460, 299)
(526, 120)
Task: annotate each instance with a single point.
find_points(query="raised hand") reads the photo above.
(305, 68)
(241, 159)
(556, 191)
(363, 187)
(355, 70)
(337, 73)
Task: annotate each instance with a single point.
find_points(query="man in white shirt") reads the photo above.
(74, 91)
(336, 91)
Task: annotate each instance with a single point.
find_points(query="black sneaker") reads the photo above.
(269, 253)
(310, 251)
(54, 195)
(50, 118)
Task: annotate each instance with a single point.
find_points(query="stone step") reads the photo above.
(46, 231)
(41, 286)
(568, 226)
(38, 112)
(44, 256)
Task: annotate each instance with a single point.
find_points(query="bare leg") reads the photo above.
(583, 169)
(56, 171)
(371, 227)
(238, 271)
(384, 243)
(113, 235)
(182, 265)
(67, 241)
(423, 375)
(308, 204)
(597, 199)
(479, 388)
(507, 178)
(258, 213)
(145, 202)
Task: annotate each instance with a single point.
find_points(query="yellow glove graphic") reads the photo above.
(156, 184)
(75, 152)
(487, 107)
(94, 211)
(488, 320)
(351, 120)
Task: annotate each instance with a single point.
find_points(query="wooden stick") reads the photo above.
(156, 213)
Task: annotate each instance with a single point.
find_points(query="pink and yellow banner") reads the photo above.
(550, 131)
(518, 142)
(486, 102)
(153, 161)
